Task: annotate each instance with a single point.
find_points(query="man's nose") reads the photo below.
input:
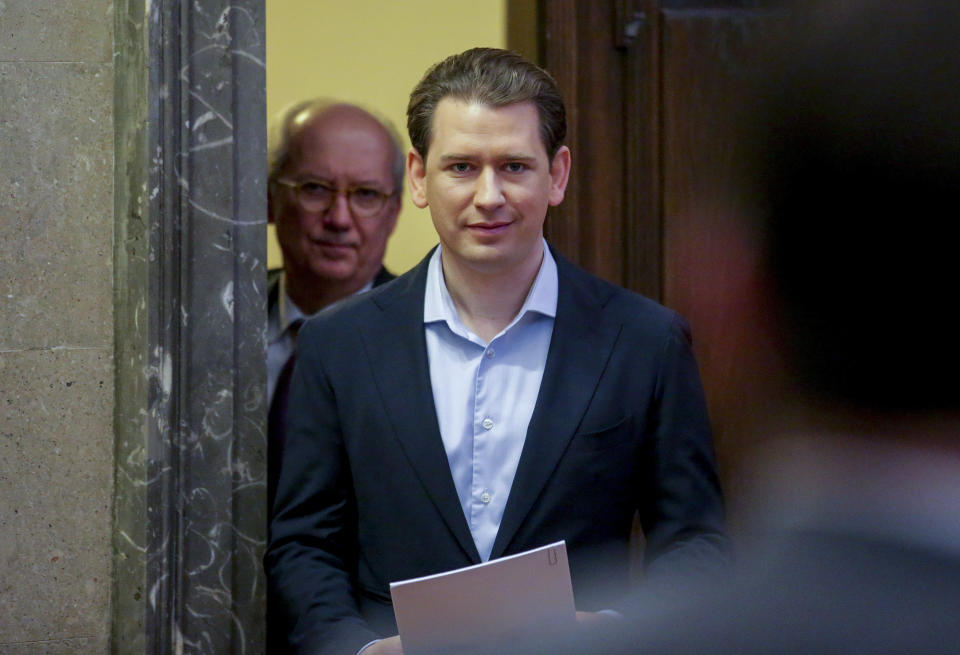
(338, 216)
(489, 190)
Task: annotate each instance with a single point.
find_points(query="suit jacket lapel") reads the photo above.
(579, 349)
(397, 347)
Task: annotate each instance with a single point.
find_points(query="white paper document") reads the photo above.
(483, 607)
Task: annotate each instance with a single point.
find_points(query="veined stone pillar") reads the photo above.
(190, 299)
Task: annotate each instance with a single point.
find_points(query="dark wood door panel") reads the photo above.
(709, 57)
(648, 111)
(610, 135)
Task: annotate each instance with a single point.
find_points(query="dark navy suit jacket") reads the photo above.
(366, 496)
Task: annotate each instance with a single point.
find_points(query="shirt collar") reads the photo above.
(287, 311)
(542, 297)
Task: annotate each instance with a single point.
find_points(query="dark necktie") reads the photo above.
(277, 422)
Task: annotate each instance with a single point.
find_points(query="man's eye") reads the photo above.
(516, 167)
(460, 167)
(363, 193)
(315, 189)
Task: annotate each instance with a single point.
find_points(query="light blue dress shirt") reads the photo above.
(485, 393)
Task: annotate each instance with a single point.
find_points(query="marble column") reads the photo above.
(190, 315)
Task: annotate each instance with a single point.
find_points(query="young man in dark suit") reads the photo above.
(494, 399)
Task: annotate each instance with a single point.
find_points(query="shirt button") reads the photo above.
(487, 424)
(485, 498)
(490, 353)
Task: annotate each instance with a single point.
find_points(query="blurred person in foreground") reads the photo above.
(858, 176)
(335, 183)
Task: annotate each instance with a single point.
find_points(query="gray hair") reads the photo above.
(281, 131)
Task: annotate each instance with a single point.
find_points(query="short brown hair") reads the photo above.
(487, 76)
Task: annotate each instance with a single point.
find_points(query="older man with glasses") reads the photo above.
(334, 190)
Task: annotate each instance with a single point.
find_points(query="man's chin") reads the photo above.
(339, 269)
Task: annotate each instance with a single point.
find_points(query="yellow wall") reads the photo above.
(372, 52)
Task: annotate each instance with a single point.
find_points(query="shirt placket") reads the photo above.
(486, 422)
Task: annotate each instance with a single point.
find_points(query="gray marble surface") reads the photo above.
(192, 257)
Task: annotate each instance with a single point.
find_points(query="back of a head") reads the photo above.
(860, 167)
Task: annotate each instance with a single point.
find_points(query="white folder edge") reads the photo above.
(513, 597)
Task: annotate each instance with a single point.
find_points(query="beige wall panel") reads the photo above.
(56, 203)
(56, 448)
(55, 30)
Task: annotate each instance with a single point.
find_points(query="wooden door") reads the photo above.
(649, 85)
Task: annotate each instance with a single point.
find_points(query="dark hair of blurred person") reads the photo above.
(860, 167)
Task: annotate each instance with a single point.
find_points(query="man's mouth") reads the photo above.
(493, 227)
(332, 246)
(331, 242)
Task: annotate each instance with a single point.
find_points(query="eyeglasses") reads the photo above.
(313, 196)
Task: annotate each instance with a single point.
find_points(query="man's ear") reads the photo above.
(559, 175)
(416, 175)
